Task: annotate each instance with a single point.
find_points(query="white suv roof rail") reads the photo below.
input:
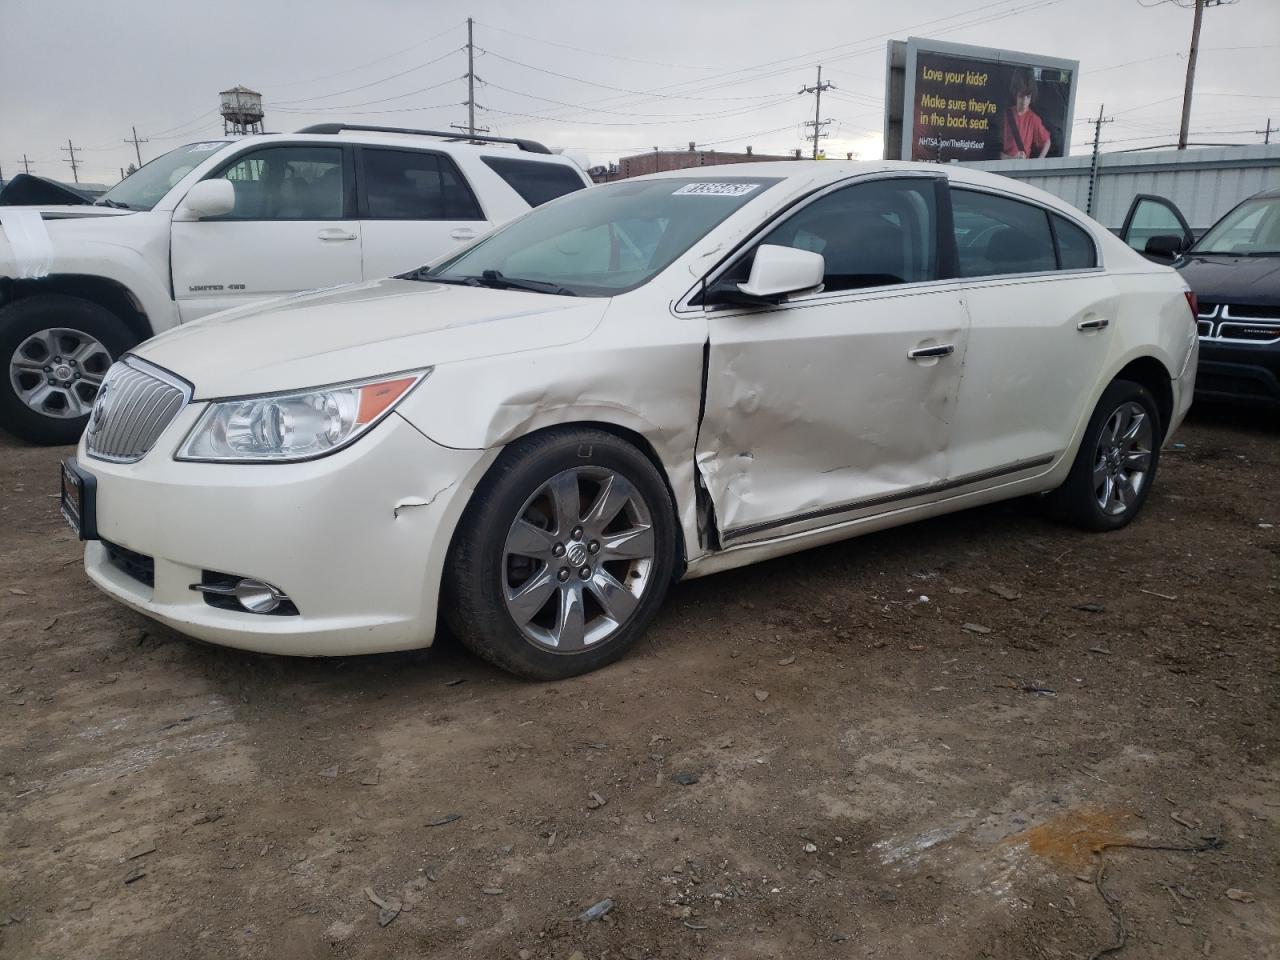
(529, 146)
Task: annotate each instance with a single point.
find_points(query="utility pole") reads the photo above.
(1191, 74)
(817, 123)
(471, 81)
(71, 151)
(471, 127)
(136, 148)
(1266, 134)
(1093, 166)
(1200, 6)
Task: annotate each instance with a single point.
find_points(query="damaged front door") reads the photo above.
(836, 404)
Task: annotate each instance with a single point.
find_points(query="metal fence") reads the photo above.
(1204, 182)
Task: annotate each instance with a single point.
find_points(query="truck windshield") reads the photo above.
(144, 188)
(1251, 229)
(601, 241)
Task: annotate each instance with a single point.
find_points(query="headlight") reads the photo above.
(285, 427)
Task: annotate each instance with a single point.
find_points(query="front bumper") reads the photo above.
(1239, 372)
(364, 575)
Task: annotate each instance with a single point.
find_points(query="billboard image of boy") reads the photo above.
(1025, 135)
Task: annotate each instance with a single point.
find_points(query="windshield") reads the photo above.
(1251, 229)
(144, 188)
(604, 240)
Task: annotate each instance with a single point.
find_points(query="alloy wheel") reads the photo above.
(578, 559)
(1122, 461)
(57, 372)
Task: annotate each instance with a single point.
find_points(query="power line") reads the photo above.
(367, 103)
(373, 83)
(619, 113)
(868, 45)
(735, 112)
(605, 86)
(594, 53)
(370, 63)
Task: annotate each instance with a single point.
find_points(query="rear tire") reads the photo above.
(58, 338)
(1116, 463)
(563, 556)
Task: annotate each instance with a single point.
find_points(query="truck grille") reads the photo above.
(135, 403)
(1239, 322)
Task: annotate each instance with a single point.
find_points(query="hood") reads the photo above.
(363, 330)
(1223, 278)
(26, 189)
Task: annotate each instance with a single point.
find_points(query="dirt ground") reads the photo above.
(868, 773)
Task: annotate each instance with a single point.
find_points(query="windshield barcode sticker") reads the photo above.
(715, 189)
(205, 147)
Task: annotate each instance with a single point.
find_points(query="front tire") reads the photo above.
(563, 556)
(1116, 463)
(56, 349)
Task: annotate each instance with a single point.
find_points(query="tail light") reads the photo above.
(1193, 303)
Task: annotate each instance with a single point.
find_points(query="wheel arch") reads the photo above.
(627, 435)
(1152, 374)
(107, 293)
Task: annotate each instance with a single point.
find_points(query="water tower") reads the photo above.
(241, 110)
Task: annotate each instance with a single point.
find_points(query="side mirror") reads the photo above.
(1166, 246)
(779, 271)
(208, 198)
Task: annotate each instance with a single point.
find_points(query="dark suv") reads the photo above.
(1234, 270)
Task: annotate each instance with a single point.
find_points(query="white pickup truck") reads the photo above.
(223, 223)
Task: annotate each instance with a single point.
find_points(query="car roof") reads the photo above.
(389, 139)
(807, 175)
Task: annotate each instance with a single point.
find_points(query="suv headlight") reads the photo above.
(287, 427)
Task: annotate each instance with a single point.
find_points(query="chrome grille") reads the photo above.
(135, 403)
(1241, 323)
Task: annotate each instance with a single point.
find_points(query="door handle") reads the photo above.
(332, 233)
(932, 353)
(462, 233)
(1097, 323)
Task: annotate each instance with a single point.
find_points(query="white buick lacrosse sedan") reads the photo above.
(655, 379)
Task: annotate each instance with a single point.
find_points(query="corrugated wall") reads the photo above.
(1204, 182)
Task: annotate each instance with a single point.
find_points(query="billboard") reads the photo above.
(951, 101)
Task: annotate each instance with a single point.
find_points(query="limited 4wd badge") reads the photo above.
(716, 189)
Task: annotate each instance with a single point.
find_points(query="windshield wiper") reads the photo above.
(423, 274)
(496, 280)
(113, 204)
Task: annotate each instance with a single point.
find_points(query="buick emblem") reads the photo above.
(98, 414)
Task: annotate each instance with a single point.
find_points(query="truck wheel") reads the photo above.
(563, 556)
(1116, 463)
(56, 349)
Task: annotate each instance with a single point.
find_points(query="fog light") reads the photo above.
(233, 592)
(256, 596)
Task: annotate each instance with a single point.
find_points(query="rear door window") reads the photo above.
(536, 182)
(1075, 247)
(996, 235)
(414, 185)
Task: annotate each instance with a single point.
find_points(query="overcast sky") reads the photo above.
(605, 78)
